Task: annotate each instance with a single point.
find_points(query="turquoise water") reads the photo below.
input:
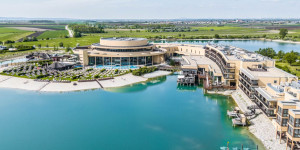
(13, 61)
(155, 115)
(116, 67)
(251, 45)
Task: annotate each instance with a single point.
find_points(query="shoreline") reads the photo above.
(252, 39)
(261, 126)
(31, 85)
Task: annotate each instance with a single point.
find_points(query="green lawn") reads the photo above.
(293, 69)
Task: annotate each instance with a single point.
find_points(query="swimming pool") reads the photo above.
(116, 67)
(13, 61)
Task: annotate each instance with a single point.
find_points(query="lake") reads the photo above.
(251, 45)
(155, 115)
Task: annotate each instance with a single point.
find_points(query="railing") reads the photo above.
(266, 104)
(252, 84)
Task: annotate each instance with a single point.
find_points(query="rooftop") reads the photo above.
(194, 61)
(288, 103)
(265, 94)
(270, 72)
(295, 111)
(124, 39)
(235, 53)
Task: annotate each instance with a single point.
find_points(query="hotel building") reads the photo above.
(121, 52)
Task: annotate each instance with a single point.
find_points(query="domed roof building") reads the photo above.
(121, 52)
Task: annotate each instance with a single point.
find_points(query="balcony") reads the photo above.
(264, 102)
(248, 81)
(266, 110)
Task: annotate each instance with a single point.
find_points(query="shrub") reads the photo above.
(143, 70)
(79, 68)
(89, 69)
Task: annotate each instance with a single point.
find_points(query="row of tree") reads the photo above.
(84, 28)
(290, 57)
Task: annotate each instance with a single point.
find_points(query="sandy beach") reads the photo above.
(30, 84)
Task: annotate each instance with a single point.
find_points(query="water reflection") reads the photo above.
(186, 88)
(138, 87)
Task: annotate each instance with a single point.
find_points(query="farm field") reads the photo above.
(54, 27)
(57, 36)
(53, 34)
(12, 34)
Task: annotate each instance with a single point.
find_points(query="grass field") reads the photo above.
(54, 27)
(293, 69)
(208, 32)
(53, 34)
(12, 34)
(88, 39)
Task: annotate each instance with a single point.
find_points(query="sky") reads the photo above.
(150, 9)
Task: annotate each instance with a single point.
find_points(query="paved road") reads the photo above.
(70, 31)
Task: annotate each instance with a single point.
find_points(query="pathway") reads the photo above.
(70, 31)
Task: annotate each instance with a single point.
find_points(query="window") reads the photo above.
(259, 66)
(297, 133)
(285, 112)
(278, 120)
(291, 120)
(284, 122)
(297, 122)
(290, 130)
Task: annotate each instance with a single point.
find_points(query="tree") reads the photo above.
(68, 49)
(269, 52)
(290, 57)
(217, 36)
(280, 54)
(61, 44)
(34, 39)
(283, 32)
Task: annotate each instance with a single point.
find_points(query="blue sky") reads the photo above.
(150, 9)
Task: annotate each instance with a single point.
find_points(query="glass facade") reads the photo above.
(297, 122)
(291, 120)
(297, 133)
(125, 61)
(107, 60)
(133, 60)
(124, 50)
(284, 122)
(290, 130)
(121, 61)
(99, 60)
(285, 113)
(149, 60)
(141, 61)
(91, 61)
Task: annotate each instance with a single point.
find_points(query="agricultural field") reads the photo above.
(50, 26)
(12, 34)
(57, 36)
(53, 34)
